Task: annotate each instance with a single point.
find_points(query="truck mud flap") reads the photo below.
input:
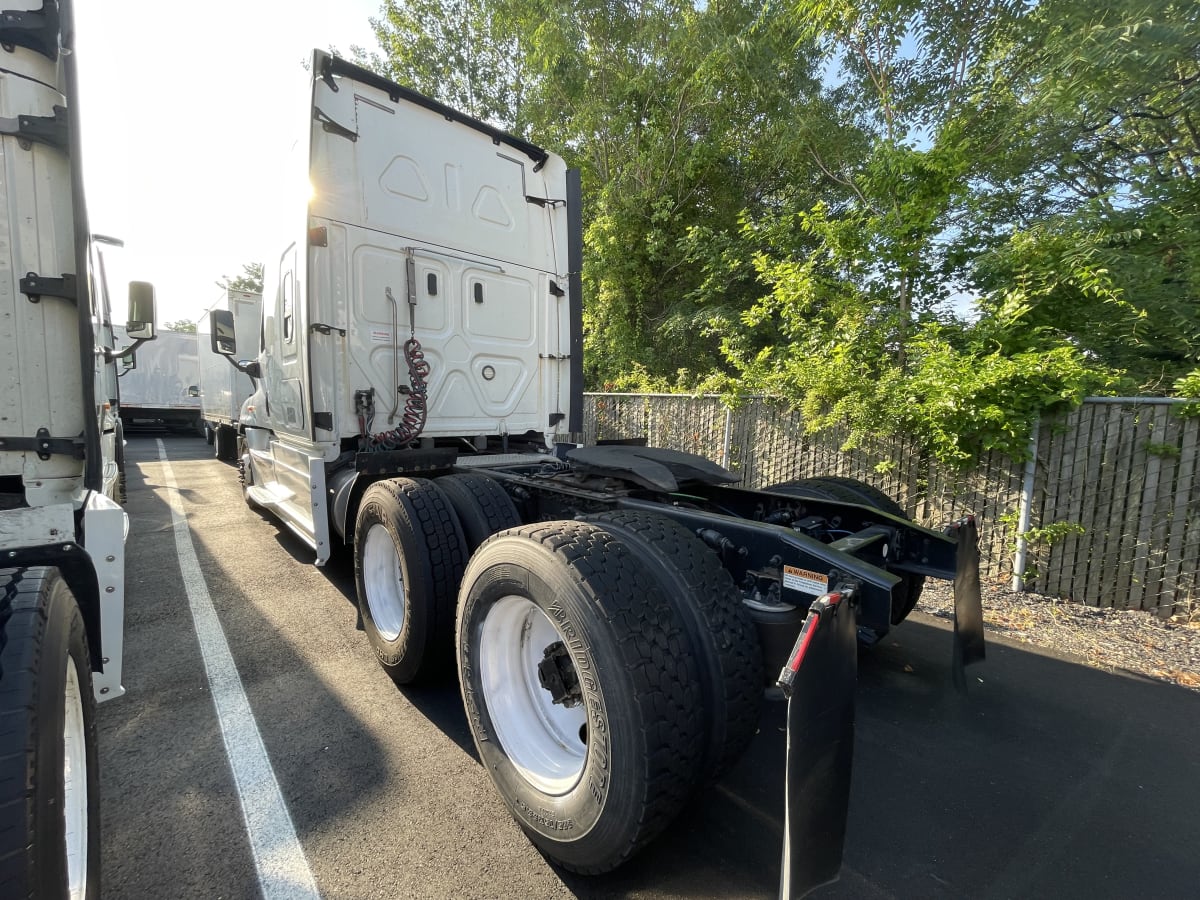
(968, 602)
(820, 680)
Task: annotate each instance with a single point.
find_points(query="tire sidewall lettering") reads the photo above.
(575, 813)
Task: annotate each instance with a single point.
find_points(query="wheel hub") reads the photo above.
(383, 582)
(532, 693)
(75, 786)
(556, 673)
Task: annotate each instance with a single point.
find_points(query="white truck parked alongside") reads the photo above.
(162, 386)
(224, 389)
(611, 609)
(62, 529)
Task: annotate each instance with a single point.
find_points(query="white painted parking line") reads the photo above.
(283, 872)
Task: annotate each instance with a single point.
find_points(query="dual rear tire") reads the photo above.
(720, 633)
(409, 555)
(581, 690)
(607, 666)
(483, 507)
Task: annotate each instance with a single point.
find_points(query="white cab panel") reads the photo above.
(392, 180)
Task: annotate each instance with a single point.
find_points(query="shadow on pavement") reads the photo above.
(172, 822)
(1051, 779)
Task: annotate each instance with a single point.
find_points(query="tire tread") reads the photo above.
(722, 628)
(24, 620)
(482, 505)
(441, 556)
(655, 652)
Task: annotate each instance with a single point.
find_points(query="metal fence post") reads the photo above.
(726, 445)
(1025, 511)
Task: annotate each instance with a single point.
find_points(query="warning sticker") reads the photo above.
(381, 336)
(804, 581)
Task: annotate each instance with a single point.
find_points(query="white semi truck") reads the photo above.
(610, 610)
(62, 529)
(224, 389)
(160, 383)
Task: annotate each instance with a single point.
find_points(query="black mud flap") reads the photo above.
(968, 602)
(819, 679)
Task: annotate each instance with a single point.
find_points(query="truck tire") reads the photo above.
(49, 787)
(119, 458)
(724, 642)
(851, 490)
(409, 554)
(225, 443)
(566, 610)
(482, 505)
(209, 434)
(246, 476)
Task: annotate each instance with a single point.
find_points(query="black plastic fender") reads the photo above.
(820, 680)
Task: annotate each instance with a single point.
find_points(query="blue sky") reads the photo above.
(188, 111)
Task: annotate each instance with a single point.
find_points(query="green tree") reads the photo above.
(462, 52)
(1097, 117)
(250, 280)
(186, 326)
(683, 131)
(678, 118)
(791, 194)
(856, 328)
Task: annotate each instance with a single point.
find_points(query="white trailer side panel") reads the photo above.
(223, 389)
(39, 337)
(167, 376)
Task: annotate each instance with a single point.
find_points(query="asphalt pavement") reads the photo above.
(1051, 779)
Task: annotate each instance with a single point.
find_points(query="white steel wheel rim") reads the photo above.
(546, 742)
(383, 582)
(75, 786)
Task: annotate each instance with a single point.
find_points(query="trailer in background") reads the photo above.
(223, 388)
(162, 387)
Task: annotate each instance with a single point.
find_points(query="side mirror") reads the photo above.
(140, 326)
(224, 338)
(129, 362)
(193, 390)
